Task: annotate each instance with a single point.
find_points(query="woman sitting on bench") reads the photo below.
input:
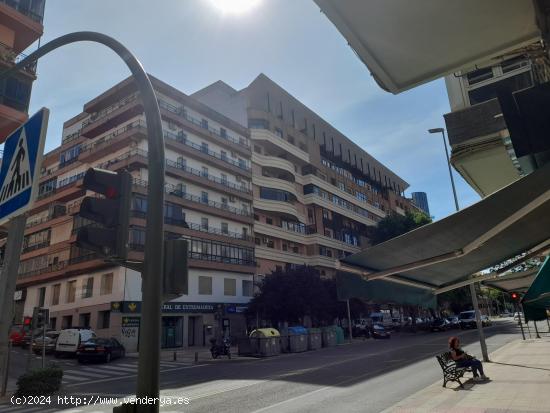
(465, 360)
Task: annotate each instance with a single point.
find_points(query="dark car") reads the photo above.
(467, 319)
(100, 349)
(440, 324)
(378, 331)
(26, 340)
(453, 322)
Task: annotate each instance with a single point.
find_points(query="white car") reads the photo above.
(69, 340)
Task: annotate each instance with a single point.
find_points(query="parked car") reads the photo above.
(485, 321)
(49, 342)
(507, 314)
(26, 341)
(454, 322)
(17, 333)
(102, 349)
(378, 331)
(467, 319)
(440, 324)
(70, 339)
(360, 327)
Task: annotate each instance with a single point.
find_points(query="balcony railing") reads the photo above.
(8, 55)
(61, 265)
(34, 247)
(36, 13)
(96, 116)
(180, 111)
(196, 227)
(182, 139)
(71, 137)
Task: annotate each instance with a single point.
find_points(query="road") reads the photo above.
(367, 376)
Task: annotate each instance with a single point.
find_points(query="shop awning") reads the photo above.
(513, 282)
(537, 299)
(503, 225)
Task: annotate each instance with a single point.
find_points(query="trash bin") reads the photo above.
(297, 339)
(339, 335)
(285, 345)
(328, 335)
(266, 342)
(314, 341)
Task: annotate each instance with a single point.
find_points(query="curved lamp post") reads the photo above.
(148, 367)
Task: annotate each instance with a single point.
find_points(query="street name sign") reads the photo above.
(20, 170)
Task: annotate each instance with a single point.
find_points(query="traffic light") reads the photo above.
(515, 296)
(111, 212)
(40, 317)
(176, 276)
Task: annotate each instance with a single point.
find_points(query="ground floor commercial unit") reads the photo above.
(109, 302)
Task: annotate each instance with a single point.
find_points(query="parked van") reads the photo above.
(69, 340)
(382, 318)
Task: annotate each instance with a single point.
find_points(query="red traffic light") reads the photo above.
(27, 321)
(515, 296)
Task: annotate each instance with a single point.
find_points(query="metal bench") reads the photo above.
(451, 372)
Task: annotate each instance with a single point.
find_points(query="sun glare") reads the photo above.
(235, 6)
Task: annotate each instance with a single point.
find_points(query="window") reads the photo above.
(204, 171)
(204, 197)
(205, 285)
(41, 296)
(204, 123)
(279, 132)
(229, 286)
(103, 319)
(223, 155)
(53, 323)
(285, 246)
(242, 163)
(225, 228)
(71, 291)
(204, 223)
(181, 189)
(224, 202)
(181, 162)
(88, 287)
(223, 133)
(204, 147)
(248, 288)
(257, 241)
(269, 221)
(56, 290)
(66, 322)
(84, 320)
(106, 284)
(224, 178)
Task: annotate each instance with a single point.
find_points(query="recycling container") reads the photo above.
(266, 342)
(315, 340)
(297, 339)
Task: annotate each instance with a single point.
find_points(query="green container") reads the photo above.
(328, 335)
(339, 335)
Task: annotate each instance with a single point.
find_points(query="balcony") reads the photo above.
(34, 247)
(24, 17)
(11, 58)
(32, 9)
(278, 184)
(201, 150)
(182, 113)
(274, 162)
(357, 214)
(266, 135)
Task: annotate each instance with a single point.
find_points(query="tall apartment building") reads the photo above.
(208, 200)
(315, 191)
(420, 199)
(20, 26)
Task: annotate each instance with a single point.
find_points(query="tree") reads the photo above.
(395, 224)
(456, 300)
(293, 294)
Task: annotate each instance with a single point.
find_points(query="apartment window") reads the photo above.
(66, 322)
(285, 247)
(229, 286)
(71, 291)
(248, 288)
(181, 162)
(242, 163)
(181, 188)
(223, 155)
(225, 228)
(204, 123)
(278, 268)
(223, 133)
(204, 171)
(41, 296)
(53, 323)
(106, 284)
(269, 221)
(279, 132)
(224, 202)
(256, 217)
(88, 287)
(257, 241)
(223, 178)
(204, 223)
(205, 285)
(204, 197)
(103, 319)
(204, 147)
(341, 186)
(84, 320)
(56, 290)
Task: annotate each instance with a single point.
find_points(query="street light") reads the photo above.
(442, 131)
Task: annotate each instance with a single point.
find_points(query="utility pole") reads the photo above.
(349, 322)
(149, 360)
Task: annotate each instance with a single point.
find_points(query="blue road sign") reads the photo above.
(21, 164)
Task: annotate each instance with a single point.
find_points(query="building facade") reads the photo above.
(420, 199)
(315, 191)
(20, 26)
(208, 200)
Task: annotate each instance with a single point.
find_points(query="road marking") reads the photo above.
(84, 373)
(121, 369)
(71, 377)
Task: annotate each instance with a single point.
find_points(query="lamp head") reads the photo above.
(436, 130)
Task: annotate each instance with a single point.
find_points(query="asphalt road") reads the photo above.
(367, 376)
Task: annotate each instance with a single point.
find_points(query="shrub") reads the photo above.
(40, 381)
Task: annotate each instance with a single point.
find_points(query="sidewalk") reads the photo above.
(520, 382)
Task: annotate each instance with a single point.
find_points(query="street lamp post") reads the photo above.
(473, 291)
(149, 360)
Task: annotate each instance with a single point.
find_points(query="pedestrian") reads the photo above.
(463, 359)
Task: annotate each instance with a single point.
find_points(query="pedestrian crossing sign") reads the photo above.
(20, 170)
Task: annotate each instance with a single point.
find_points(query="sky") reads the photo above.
(190, 44)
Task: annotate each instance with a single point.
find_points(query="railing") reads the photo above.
(109, 137)
(182, 139)
(34, 247)
(70, 181)
(59, 265)
(182, 113)
(71, 137)
(9, 55)
(39, 221)
(23, 8)
(96, 116)
(196, 227)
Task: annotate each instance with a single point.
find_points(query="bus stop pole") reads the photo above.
(479, 323)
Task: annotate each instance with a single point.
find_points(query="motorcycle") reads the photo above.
(223, 349)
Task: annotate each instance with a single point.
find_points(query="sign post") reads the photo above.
(19, 175)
